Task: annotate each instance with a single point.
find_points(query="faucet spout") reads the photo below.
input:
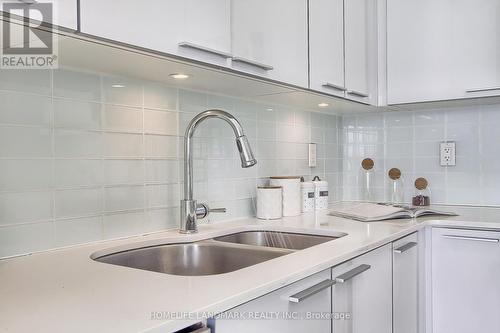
(190, 210)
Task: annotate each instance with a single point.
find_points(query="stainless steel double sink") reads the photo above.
(220, 255)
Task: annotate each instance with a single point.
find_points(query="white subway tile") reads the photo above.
(25, 174)
(77, 172)
(77, 114)
(122, 91)
(33, 81)
(25, 142)
(19, 207)
(77, 85)
(120, 118)
(162, 171)
(124, 172)
(77, 231)
(158, 96)
(192, 101)
(118, 145)
(78, 202)
(158, 146)
(163, 195)
(27, 238)
(124, 224)
(160, 122)
(78, 144)
(25, 109)
(123, 198)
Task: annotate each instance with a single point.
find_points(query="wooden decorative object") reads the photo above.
(394, 173)
(421, 183)
(367, 164)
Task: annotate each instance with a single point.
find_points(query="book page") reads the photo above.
(368, 210)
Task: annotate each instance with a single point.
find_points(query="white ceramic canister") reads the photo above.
(320, 193)
(269, 202)
(307, 196)
(292, 203)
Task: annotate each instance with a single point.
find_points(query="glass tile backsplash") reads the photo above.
(89, 156)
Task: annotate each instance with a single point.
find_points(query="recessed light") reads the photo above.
(269, 109)
(323, 105)
(118, 86)
(179, 76)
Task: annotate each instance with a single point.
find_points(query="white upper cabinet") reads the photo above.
(195, 29)
(442, 49)
(64, 12)
(326, 46)
(343, 48)
(269, 39)
(465, 275)
(358, 72)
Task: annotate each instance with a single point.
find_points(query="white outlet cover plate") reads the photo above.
(447, 155)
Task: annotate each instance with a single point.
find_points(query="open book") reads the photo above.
(368, 212)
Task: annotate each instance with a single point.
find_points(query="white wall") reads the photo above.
(410, 141)
(81, 160)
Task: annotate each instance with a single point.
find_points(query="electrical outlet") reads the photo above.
(448, 154)
(312, 155)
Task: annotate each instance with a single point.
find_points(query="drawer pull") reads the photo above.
(477, 239)
(352, 273)
(253, 63)
(357, 93)
(405, 247)
(334, 86)
(482, 89)
(306, 293)
(189, 45)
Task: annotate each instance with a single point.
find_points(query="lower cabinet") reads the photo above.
(465, 281)
(405, 277)
(363, 290)
(284, 310)
(354, 297)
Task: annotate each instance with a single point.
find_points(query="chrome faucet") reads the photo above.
(191, 211)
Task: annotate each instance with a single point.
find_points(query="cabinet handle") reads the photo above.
(405, 247)
(253, 63)
(306, 293)
(334, 86)
(357, 93)
(482, 89)
(352, 273)
(478, 239)
(189, 45)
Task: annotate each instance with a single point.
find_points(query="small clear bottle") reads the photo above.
(422, 195)
(396, 188)
(367, 178)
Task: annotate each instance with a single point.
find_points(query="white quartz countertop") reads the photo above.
(66, 291)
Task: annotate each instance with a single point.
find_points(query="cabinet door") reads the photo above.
(195, 29)
(405, 284)
(326, 46)
(310, 295)
(465, 281)
(363, 291)
(442, 49)
(64, 12)
(358, 20)
(269, 39)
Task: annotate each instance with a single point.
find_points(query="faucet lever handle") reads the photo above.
(217, 210)
(202, 210)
